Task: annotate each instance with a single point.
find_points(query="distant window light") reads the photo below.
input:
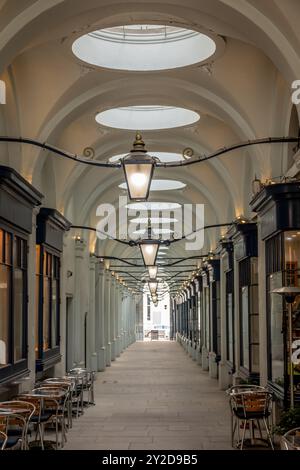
(2, 92)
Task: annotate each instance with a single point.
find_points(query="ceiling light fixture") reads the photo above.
(138, 168)
(152, 270)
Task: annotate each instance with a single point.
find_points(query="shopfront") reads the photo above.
(17, 201)
(51, 226)
(278, 208)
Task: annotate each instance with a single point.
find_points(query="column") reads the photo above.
(91, 340)
(100, 317)
(31, 303)
(117, 330)
(121, 308)
(237, 329)
(124, 316)
(107, 317)
(262, 302)
(223, 371)
(112, 314)
(80, 247)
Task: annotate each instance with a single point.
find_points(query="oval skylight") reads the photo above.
(153, 206)
(161, 185)
(163, 157)
(147, 117)
(144, 47)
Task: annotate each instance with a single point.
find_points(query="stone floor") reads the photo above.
(154, 397)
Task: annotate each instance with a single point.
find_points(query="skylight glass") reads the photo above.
(144, 47)
(161, 185)
(147, 117)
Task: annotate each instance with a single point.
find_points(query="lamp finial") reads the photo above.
(138, 144)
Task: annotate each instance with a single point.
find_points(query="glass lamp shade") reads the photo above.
(138, 168)
(149, 251)
(153, 287)
(152, 272)
(138, 174)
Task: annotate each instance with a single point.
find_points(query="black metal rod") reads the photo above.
(192, 161)
(223, 150)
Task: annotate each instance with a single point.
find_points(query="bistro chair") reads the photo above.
(3, 440)
(68, 385)
(59, 406)
(252, 406)
(22, 409)
(8, 419)
(290, 440)
(40, 416)
(88, 387)
(234, 420)
(77, 395)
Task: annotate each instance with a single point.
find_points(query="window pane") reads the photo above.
(46, 316)
(37, 317)
(7, 248)
(229, 328)
(1, 245)
(54, 332)
(292, 255)
(245, 327)
(276, 336)
(4, 314)
(18, 315)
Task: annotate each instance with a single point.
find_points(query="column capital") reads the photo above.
(80, 246)
(92, 261)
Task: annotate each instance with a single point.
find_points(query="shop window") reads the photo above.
(287, 274)
(230, 316)
(249, 317)
(48, 302)
(13, 302)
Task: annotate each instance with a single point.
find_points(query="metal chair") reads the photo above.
(8, 419)
(252, 406)
(237, 389)
(60, 406)
(3, 440)
(40, 416)
(290, 440)
(25, 410)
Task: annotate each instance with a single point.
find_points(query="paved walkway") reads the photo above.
(154, 397)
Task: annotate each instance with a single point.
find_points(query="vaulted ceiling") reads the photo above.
(241, 93)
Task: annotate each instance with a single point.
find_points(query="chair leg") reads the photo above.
(41, 433)
(243, 436)
(259, 428)
(268, 433)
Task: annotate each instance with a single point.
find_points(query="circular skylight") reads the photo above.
(153, 206)
(163, 157)
(161, 185)
(147, 117)
(144, 47)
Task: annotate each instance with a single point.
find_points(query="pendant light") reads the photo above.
(138, 168)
